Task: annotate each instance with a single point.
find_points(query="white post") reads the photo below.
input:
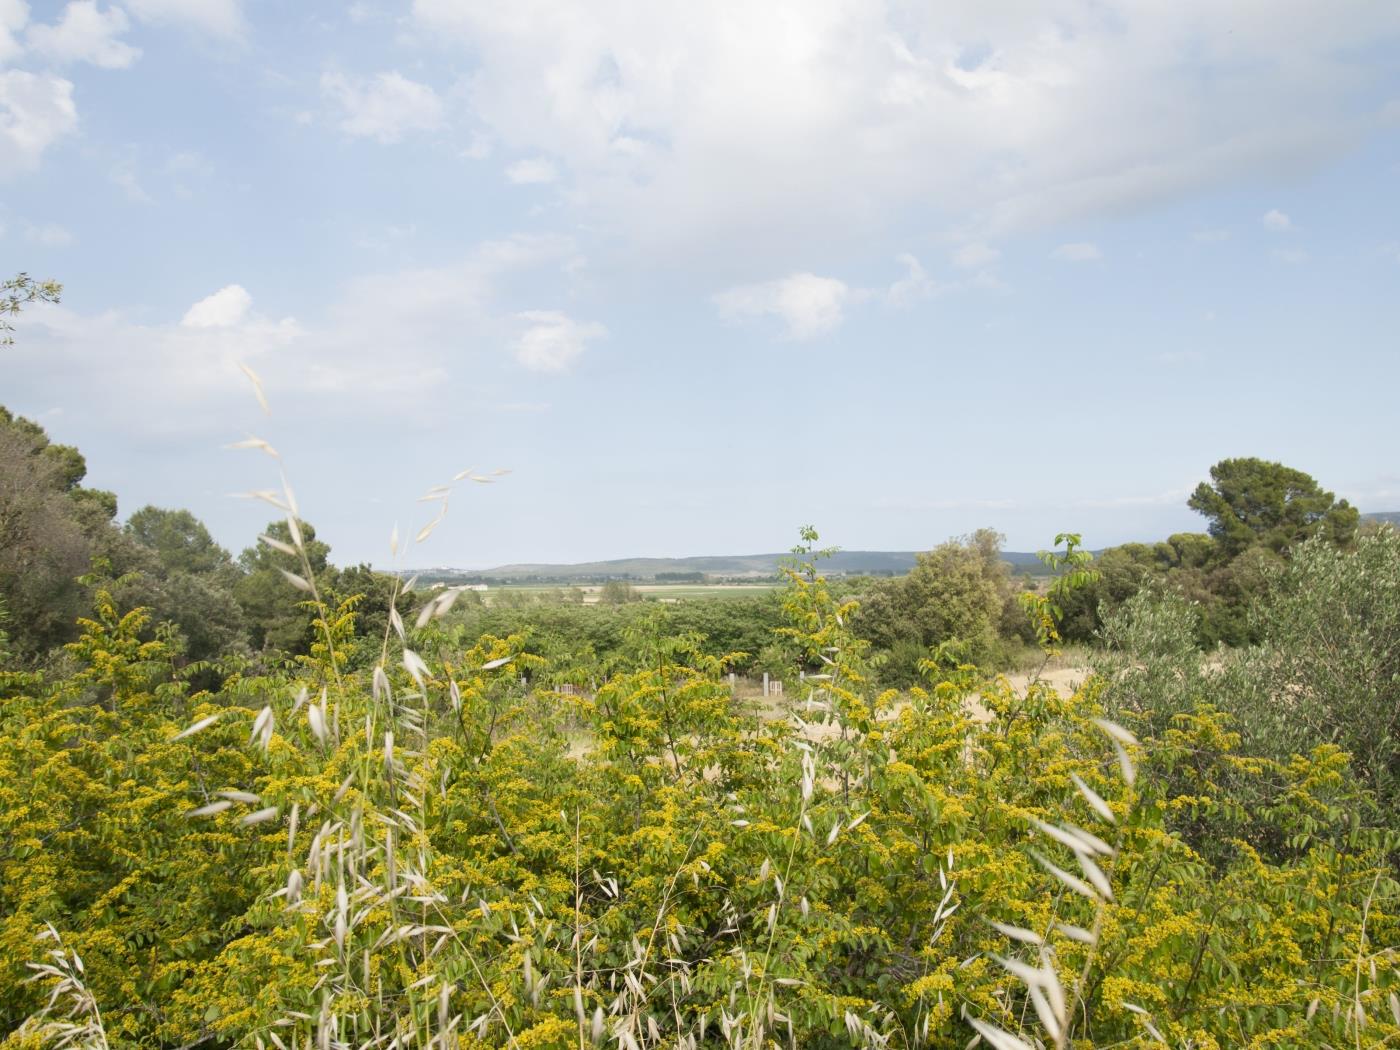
(765, 683)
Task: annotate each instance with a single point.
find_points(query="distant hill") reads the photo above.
(851, 563)
(733, 566)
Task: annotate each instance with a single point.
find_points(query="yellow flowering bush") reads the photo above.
(431, 851)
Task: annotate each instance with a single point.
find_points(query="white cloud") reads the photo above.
(533, 171)
(13, 16)
(479, 148)
(385, 107)
(403, 344)
(225, 308)
(170, 378)
(86, 34)
(553, 340)
(1078, 251)
(188, 162)
(915, 284)
(699, 124)
(1277, 221)
(50, 235)
(123, 175)
(219, 18)
(35, 111)
(807, 304)
(975, 255)
(811, 306)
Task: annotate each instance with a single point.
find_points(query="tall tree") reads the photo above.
(43, 548)
(186, 579)
(52, 529)
(179, 539)
(272, 606)
(1253, 502)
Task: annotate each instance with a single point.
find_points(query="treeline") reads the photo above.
(1258, 512)
(60, 542)
(962, 596)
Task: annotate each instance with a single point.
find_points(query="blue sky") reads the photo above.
(700, 274)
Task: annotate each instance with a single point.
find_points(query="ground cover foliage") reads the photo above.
(370, 816)
(405, 849)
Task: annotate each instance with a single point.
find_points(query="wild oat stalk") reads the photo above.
(1058, 1011)
(79, 1026)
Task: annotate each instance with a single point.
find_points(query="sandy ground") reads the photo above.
(1061, 679)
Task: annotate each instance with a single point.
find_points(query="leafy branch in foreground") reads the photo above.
(1071, 573)
(18, 292)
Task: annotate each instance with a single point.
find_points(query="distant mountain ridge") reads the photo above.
(729, 566)
(853, 563)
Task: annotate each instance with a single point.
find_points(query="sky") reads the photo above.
(700, 274)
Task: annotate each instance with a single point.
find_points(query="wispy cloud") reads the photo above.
(216, 18)
(386, 107)
(975, 255)
(702, 126)
(1077, 252)
(49, 235)
(36, 110)
(808, 306)
(553, 340)
(532, 172)
(226, 307)
(85, 33)
(441, 322)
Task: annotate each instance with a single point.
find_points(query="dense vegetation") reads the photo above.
(1257, 513)
(268, 802)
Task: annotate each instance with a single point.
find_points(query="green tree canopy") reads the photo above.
(271, 604)
(1253, 502)
(956, 592)
(179, 539)
(43, 547)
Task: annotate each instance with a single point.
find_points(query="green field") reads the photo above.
(665, 592)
